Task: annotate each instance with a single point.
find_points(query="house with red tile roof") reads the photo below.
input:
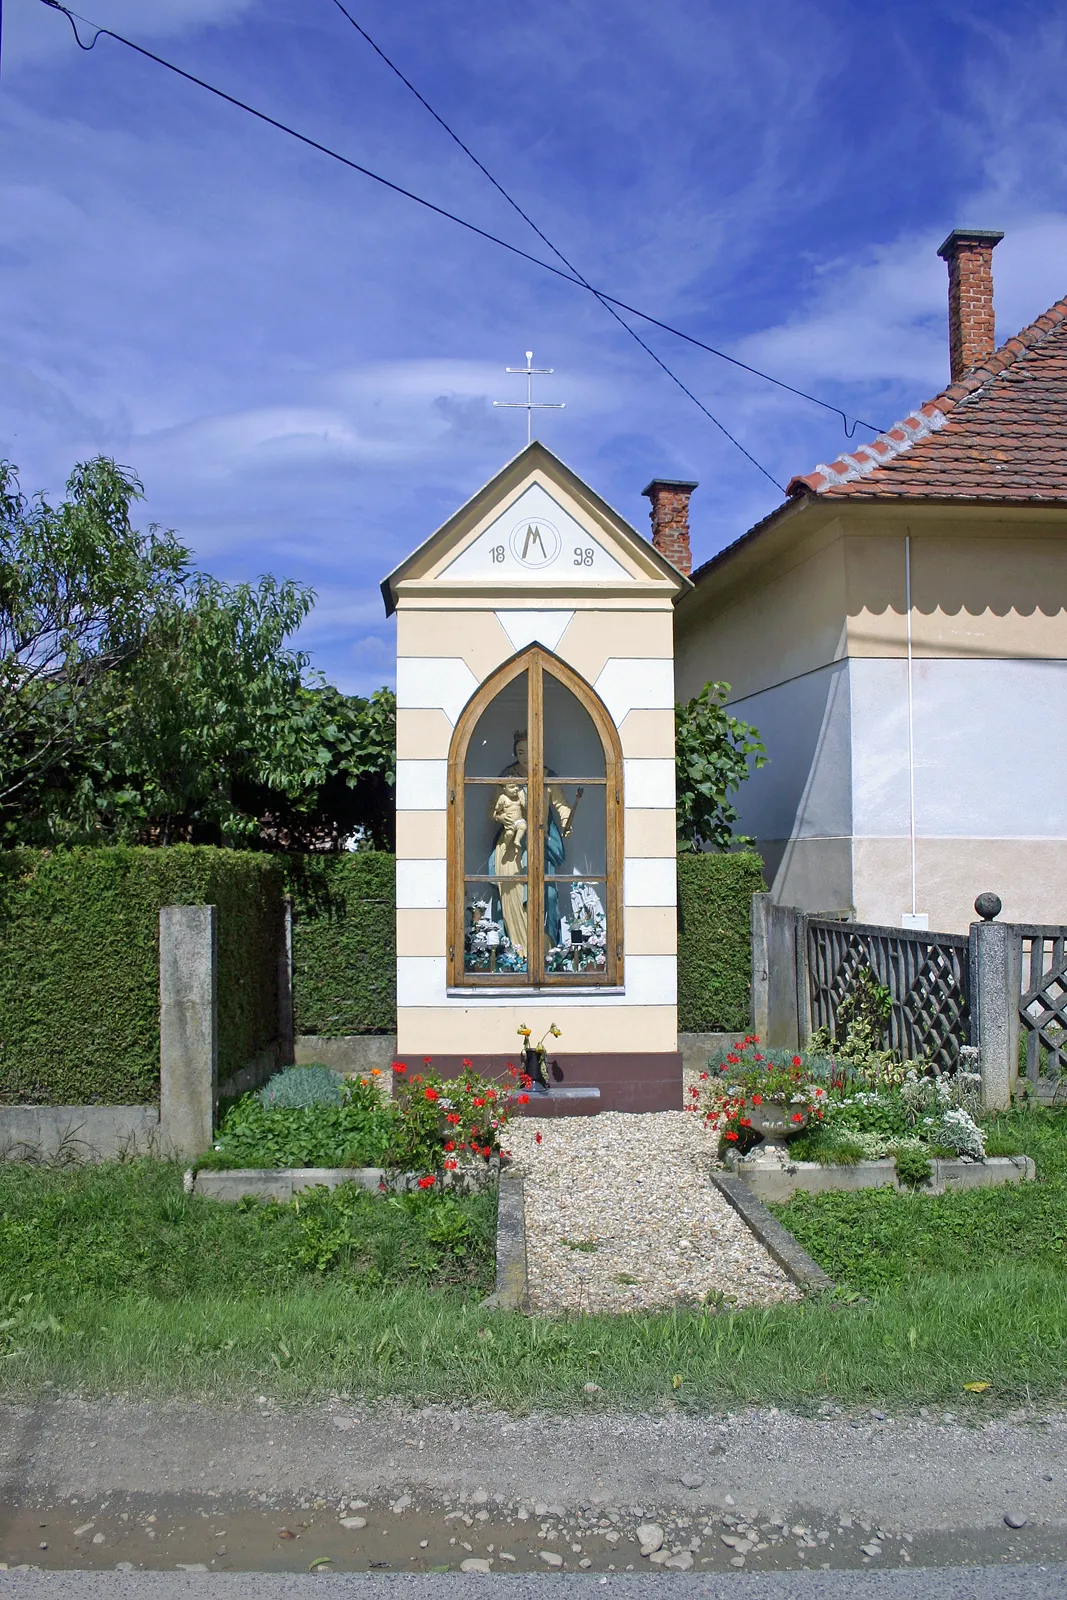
(897, 630)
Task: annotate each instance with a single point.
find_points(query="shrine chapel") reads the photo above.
(535, 821)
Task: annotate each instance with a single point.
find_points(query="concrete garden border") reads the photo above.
(772, 1235)
(511, 1292)
(777, 1185)
(282, 1183)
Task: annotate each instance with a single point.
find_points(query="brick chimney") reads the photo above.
(969, 254)
(670, 520)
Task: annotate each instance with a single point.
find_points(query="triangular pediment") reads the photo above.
(537, 540)
(535, 529)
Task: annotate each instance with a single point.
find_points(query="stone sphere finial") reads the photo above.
(988, 906)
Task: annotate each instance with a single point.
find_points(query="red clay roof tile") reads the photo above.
(999, 433)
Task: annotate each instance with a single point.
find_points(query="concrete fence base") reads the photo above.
(58, 1134)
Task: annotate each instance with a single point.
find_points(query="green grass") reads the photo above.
(135, 1288)
(128, 1229)
(876, 1240)
(421, 1346)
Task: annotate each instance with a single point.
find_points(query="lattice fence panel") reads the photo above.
(1043, 1008)
(926, 974)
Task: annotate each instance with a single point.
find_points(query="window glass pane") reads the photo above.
(572, 744)
(492, 744)
(495, 821)
(576, 928)
(576, 838)
(494, 927)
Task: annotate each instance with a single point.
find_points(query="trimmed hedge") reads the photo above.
(79, 965)
(344, 942)
(715, 940)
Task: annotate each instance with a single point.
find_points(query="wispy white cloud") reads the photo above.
(33, 32)
(302, 367)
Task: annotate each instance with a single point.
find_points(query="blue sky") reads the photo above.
(301, 366)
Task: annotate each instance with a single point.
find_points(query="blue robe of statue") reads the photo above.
(555, 854)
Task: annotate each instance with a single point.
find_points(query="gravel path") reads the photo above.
(620, 1216)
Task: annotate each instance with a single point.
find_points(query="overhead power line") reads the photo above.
(514, 204)
(607, 300)
(570, 275)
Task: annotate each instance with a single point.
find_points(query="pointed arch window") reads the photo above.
(535, 847)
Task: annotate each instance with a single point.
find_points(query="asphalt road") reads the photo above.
(947, 1583)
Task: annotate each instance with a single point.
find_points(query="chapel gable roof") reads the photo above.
(999, 433)
(641, 563)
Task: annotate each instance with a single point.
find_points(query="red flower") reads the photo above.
(798, 1116)
(757, 1099)
(487, 1151)
(796, 1061)
(524, 1100)
(427, 1182)
(451, 1145)
(694, 1092)
(452, 1117)
(746, 1122)
(731, 1135)
(450, 1166)
(431, 1094)
(417, 1078)
(426, 1060)
(467, 1062)
(733, 1060)
(525, 1080)
(538, 1137)
(704, 1076)
(478, 1103)
(757, 1056)
(398, 1066)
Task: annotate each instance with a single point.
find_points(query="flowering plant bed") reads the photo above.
(841, 1113)
(441, 1123)
(431, 1131)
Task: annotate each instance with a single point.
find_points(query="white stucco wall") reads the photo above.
(990, 741)
(798, 807)
(990, 748)
(831, 809)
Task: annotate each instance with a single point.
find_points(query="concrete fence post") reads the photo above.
(776, 979)
(996, 958)
(803, 989)
(188, 1028)
(286, 1030)
(760, 1006)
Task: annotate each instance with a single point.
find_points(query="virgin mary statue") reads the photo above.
(509, 853)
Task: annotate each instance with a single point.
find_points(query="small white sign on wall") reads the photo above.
(536, 541)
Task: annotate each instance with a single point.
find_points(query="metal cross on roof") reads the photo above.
(530, 405)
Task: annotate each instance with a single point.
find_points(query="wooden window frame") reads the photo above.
(535, 661)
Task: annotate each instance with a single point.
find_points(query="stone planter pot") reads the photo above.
(773, 1120)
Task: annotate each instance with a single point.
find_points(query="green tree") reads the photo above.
(142, 701)
(79, 589)
(714, 754)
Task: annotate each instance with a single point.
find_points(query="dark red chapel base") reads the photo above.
(650, 1082)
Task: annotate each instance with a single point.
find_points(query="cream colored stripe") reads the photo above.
(650, 930)
(460, 1031)
(420, 835)
(649, 833)
(421, 933)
